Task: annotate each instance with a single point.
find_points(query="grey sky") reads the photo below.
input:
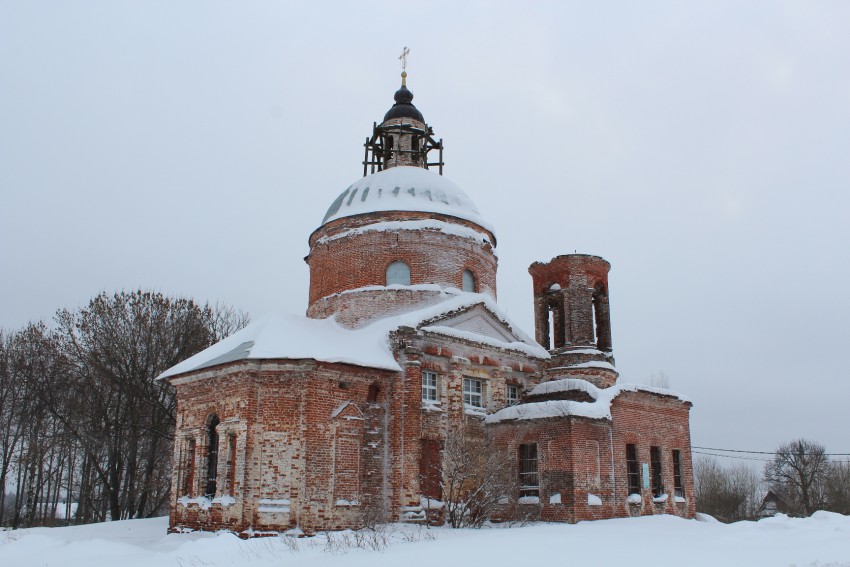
(702, 148)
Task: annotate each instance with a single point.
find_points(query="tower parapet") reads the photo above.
(572, 317)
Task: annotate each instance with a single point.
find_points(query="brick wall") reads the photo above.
(359, 308)
(576, 456)
(324, 446)
(648, 420)
(299, 430)
(434, 257)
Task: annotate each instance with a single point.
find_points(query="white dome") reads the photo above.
(405, 188)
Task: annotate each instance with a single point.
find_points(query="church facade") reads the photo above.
(357, 411)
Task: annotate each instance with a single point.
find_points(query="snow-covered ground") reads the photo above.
(820, 541)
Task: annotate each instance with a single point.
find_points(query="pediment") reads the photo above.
(476, 320)
(347, 410)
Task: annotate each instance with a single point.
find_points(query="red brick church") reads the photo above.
(315, 422)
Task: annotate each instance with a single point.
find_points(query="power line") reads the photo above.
(761, 452)
(734, 457)
(838, 461)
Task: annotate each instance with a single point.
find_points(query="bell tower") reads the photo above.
(403, 138)
(572, 317)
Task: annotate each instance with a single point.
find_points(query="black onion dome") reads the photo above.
(403, 107)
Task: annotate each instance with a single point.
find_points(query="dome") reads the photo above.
(403, 107)
(405, 188)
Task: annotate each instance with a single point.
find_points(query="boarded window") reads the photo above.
(347, 447)
(677, 473)
(529, 483)
(372, 394)
(592, 457)
(430, 469)
(398, 273)
(469, 283)
(633, 469)
(655, 471)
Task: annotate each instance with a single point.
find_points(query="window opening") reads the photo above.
(633, 469)
(601, 322)
(655, 471)
(398, 273)
(212, 456)
(551, 336)
(429, 387)
(529, 483)
(473, 393)
(469, 283)
(677, 474)
(513, 395)
(372, 394)
(593, 314)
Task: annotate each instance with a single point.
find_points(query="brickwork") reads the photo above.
(361, 259)
(575, 286)
(403, 142)
(576, 456)
(299, 429)
(312, 450)
(356, 309)
(573, 290)
(324, 446)
(648, 420)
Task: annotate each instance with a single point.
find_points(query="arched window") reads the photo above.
(469, 283)
(398, 273)
(212, 455)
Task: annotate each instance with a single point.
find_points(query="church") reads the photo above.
(358, 410)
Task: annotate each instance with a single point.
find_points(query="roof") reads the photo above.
(403, 107)
(599, 408)
(287, 336)
(405, 188)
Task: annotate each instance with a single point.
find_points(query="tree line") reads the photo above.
(86, 432)
(799, 479)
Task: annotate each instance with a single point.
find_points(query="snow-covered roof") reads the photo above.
(590, 364)
(405, 188)
(286, 336)
(429, 224)
(599, 408)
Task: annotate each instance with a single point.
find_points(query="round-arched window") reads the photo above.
(469, 283)
(398, 273)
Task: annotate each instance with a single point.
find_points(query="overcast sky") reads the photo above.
(702, 148)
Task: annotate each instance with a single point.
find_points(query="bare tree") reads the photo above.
(33, 448)
(658, 379)
(838, 488)
(475, 479)
(798, 474)
(113, 406)
(729, 493)
(83, 419)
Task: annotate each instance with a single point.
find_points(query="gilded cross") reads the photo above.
(403, 58)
